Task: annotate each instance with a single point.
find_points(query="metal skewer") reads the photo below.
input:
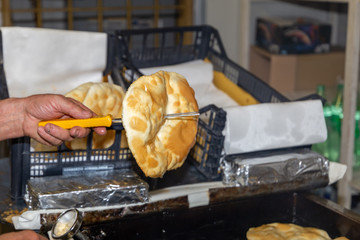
(105, 121)
(168, 116)
(179, 115)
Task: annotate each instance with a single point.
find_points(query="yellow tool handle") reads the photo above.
(101, 121)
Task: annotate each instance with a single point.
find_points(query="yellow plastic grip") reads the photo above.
(101, 121)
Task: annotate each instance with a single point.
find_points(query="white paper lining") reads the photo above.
(274, 125)
(199, 75)
(51, 61)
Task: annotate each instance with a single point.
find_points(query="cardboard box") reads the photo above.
(293, 35)
(302, 72)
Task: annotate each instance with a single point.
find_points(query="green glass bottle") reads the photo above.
(356, 165)
(336, 122)
(324, 147)
(337, 106)
(357, 141)
(336, 119)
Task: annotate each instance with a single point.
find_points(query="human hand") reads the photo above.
(52, 106)
(22, 235)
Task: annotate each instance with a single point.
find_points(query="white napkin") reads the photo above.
(336, 172)
(27, 220)
(199, 75)
(51, 61)
(274, 125)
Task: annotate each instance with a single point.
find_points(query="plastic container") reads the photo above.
(27, 163)
(141, 48)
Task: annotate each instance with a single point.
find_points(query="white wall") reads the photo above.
(224, 16)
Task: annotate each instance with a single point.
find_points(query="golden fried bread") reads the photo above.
(286, 231)
(157, 144)
(102, 98)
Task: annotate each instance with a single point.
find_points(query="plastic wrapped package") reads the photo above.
(97, 188)
(303, 168)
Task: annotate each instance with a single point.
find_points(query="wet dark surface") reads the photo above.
(232, 219)
(228, 216)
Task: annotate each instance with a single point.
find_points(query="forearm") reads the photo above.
(11, 118)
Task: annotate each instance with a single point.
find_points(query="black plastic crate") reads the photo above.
(27, 163)
(142, 48)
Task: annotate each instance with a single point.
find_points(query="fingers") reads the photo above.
(48, 107)
(75, 109)
(51, 134)
(54, 135)
(79, 132)
(100, 130)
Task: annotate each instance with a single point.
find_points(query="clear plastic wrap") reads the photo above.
(97, 188)
(306, 168)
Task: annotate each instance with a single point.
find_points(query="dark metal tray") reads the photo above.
(232, 218)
